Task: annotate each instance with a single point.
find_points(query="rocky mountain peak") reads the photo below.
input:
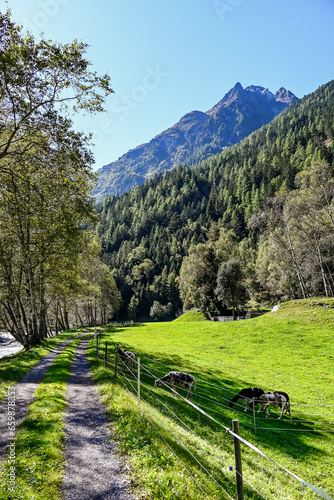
(231, 96)
(196, 136)
(261, 91)
(283, 95)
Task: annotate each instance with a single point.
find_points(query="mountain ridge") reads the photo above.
(196, 136)
(146, 233)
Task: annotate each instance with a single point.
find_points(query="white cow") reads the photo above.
(275, 399)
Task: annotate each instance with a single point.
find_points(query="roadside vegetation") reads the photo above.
(39, 441)
(289, 350)
(15, 366)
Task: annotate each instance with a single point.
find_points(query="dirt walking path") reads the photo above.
(23, 394)
(93, 469)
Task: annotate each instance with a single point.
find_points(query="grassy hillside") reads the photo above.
(290, 350)
(191, 316)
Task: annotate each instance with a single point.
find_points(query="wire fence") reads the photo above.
(136, 375)
(304, 416)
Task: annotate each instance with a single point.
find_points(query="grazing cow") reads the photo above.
(127, 357)
(283, 394)
(275, 399)
(286, 404)
(247, 395)
(287, 408)
(178, 379)
(130, 358)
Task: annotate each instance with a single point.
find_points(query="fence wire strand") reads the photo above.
(173, 452)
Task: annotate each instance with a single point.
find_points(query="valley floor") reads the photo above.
(76, 425)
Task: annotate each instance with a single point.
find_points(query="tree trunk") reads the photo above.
(42, 307)
(295, 263)
(82, 324)
(60, 318)
(320, 262)
(33, 335)
(65, 316)
(14, 313)
(17, 331)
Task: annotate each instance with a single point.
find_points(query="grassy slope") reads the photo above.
(15, 366)
(289, 350)
(265, 351)
(191, 316)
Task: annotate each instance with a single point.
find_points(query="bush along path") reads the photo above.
(21, 395)
(93, 469)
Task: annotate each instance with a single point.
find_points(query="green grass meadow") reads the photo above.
(177, 452)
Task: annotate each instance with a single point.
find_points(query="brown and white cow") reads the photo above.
(127, 357)
(178, 379)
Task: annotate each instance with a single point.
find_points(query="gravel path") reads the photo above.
(23, 392)
(93, 468)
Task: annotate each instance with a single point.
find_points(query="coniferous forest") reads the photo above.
(245, 228)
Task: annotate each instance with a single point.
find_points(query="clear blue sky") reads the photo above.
(166, 58)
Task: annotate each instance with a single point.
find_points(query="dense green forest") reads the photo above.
(259, 214)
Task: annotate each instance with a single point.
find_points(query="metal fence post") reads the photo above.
(138, 360)
(254, 417)
(238, 467)
(116, 360)
(96, 335)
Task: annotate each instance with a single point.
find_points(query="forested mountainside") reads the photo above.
(195, 137)
(146, 233)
